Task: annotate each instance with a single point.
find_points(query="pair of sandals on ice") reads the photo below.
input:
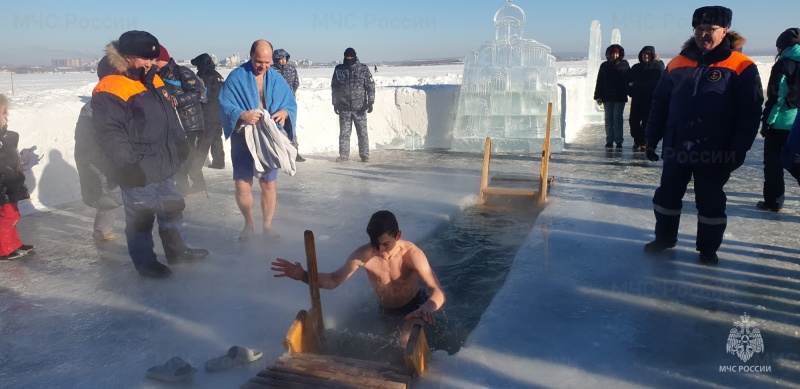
(177, 369)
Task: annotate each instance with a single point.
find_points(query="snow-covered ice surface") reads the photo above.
(581, 307)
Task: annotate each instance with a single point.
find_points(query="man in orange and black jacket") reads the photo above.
(141, 135)
(707, 110)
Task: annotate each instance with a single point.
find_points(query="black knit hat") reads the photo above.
(350, 52)
(139, 43)
(104, 68)
(788, 38)
(715, 15)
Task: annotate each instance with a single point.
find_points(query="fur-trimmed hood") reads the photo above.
(116, 59)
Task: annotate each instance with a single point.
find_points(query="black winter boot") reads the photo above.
(659, 245)
(708, 258)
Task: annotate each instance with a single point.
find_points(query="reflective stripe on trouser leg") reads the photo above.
(710, 232)
(667, 223)
(709, 181)
(668, 200)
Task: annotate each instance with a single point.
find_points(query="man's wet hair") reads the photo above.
(381, 222)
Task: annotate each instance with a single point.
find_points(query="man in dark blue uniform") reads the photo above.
(142, 138)
(706, 108)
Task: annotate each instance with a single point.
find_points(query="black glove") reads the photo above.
(651, 155)
(336, 110)
(369, 108)
(183, 150)
(131, 176)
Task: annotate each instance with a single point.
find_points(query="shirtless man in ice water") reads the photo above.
(394, 268)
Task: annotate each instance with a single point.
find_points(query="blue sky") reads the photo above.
(320, 30)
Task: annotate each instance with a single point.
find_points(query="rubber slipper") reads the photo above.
(236, 356)
(175, 369)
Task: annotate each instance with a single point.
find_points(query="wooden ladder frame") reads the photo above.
(544, 181)
(306, 333)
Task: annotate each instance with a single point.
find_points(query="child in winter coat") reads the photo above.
(610, 92)
(12, 189)
(779, 115)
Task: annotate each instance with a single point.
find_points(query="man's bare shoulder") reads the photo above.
(411, 251)
(362, 254)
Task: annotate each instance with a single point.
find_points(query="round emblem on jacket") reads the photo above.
(714, 75)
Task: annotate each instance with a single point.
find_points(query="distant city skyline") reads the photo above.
(320, 30)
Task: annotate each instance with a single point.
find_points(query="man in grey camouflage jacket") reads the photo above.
(280, 62)
(353, 92)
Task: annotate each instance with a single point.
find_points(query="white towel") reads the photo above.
(270, 147)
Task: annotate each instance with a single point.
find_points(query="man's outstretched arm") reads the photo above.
(295, 271)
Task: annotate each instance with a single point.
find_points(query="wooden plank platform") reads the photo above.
(305, 370)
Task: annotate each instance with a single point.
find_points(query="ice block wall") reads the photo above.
(616, 37)
(593, 111)
(506, 88)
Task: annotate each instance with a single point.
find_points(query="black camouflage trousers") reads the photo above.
(346, 121)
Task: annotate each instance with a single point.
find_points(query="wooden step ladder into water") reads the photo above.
(517, 185)
(304, 367)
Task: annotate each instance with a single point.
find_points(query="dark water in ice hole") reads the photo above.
(471, 255)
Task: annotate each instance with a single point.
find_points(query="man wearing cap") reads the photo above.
(188, 92)
(353, 93)
(281, 64)
(707, 109)
(138, 130)
(249, 90)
